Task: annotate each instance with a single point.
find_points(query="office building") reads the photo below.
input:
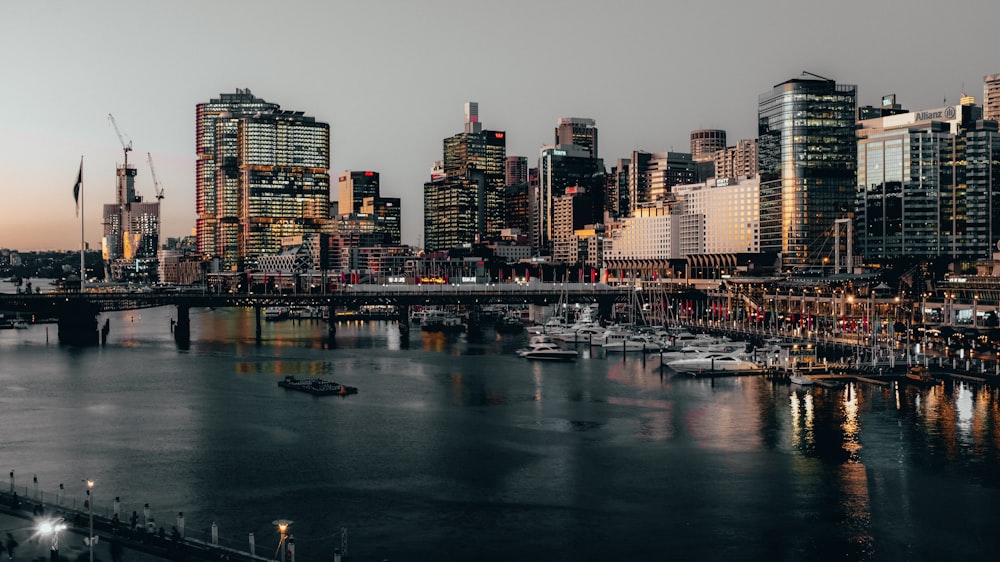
(926, 184)
(516, 170)
(705, 143)
(808, 161)
(991, 97)
(561, 167)
(353, 187)
(577, 131)
(261, 175)
(470, 179)
(651, 175)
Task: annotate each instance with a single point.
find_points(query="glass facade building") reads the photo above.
(808, 158)
(475, 163)
(928, 185)
(262, 174)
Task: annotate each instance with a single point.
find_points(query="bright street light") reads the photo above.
(51, 528)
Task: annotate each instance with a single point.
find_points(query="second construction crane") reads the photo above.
(156, 182)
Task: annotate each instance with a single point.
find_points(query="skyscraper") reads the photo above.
(131, 229)
(991, 97)
(261, 174)
(807, 156)
(577, 131)
(471, 178)
(704, 144)
(651, 175)
(560, 168)
(926, 183)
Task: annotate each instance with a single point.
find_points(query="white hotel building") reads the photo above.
(703, 225)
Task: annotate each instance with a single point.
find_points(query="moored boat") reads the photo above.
(800, 379)
(317, 387)
(542, 347)
(920, 376)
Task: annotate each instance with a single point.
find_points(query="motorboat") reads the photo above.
(920, 376)
(800, 379)
(713, 361)
(633, 343)
(554, 324)
(542, 347)
(580, 334)
(441, 321)
(276, 313)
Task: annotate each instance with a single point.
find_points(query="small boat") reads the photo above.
(509, 325)
(542, 347)
(919, 376)
(441, 321)
(800, 379)
(275, 313)
(317, 387)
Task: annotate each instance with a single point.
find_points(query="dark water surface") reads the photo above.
(462, 451)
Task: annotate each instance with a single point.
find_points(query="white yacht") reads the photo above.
(713, 362)
(800, 379)
(542, 347)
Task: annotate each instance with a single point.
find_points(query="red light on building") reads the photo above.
(369, 174)
(498, 135)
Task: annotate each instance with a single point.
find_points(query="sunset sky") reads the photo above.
(391, 78)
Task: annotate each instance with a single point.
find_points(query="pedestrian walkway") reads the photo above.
(22, 517)
(23, 527)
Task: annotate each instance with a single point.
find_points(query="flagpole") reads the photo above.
(83, 267)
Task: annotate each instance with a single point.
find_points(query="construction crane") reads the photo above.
(126, 146)
(156, 182)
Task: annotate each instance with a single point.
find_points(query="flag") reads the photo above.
(77, 187)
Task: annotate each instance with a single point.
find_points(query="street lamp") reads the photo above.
(52, 527)
(282, 528)
(90, 516)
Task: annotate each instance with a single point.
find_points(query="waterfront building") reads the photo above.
(651, 175)
(261, 175)
(644, 243)
(739, 161)
(577, 131)
(561, 167)
(705, 143)
(469, 180)
(729, 213)
(991, 97)
(926, 184)
(807, 166)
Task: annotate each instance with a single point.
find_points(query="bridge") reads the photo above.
(77, 312)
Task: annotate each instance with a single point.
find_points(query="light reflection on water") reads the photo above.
(462, 442)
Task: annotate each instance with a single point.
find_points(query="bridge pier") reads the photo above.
(78, 323)
(403, 318)
(182, 328)
(256, 313)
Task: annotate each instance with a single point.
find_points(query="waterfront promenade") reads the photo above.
(118, 540)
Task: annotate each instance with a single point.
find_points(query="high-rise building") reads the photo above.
(705, 143)
(738, 161)
(353, 187)
(561, 167)
(131, 229)
(926, 185)
(807, 156)
(578, 131)
(991, 97)
(470, 179)
(261, 175)
(516, 170)
(652, 174)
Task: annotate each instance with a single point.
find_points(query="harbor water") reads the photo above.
(460, 450)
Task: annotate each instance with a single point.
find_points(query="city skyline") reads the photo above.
(387, 85)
